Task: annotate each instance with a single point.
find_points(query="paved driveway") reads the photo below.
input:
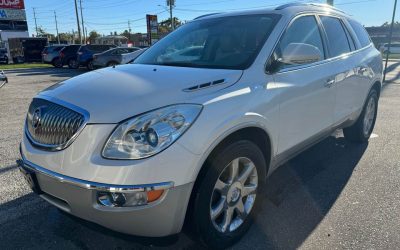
(335, 195)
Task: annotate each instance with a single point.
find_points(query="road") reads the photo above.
(335, 195)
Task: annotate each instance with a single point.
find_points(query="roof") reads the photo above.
(286, 9)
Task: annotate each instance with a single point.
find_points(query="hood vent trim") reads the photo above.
(205, 85)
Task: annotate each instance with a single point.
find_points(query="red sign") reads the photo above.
(12, 4)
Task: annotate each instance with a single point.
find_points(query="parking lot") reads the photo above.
(335, 195)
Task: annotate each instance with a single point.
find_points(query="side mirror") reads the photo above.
(300, 53)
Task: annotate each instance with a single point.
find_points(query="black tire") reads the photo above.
(73, 63)
(202, 226)
(90, 65)
(57, 63)
(358, 132)
(111, 64)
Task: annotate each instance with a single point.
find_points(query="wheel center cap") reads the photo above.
(234, 192)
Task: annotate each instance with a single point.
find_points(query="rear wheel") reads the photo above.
(112, 64)
(57, 63)
(228, 195)
(90, 65)
(362, 129)
(73, 63)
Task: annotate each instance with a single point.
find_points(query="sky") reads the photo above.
(106, 16)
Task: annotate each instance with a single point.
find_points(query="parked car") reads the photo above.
(3, 56)
(394, 48)
(131, 57)
(144, 146)
(51, 55)
(112, 57)
(68, 56)
(86, 52)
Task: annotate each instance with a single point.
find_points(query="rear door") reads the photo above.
(307, 99)
(343, 67)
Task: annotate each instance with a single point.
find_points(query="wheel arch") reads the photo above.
(253, 133)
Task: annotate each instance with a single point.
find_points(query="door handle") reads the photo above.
(329, 83)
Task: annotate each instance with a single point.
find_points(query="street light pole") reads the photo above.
(390, 40)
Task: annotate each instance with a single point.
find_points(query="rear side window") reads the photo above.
(337, 38)
(303, 30)
(361, 33)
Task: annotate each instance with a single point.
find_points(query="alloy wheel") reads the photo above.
(369, 116)
(234, 195)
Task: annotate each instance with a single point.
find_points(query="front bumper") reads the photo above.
(78, 197)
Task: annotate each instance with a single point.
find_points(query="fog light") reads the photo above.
(110, 199)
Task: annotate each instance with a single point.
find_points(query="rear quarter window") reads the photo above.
(361, 33)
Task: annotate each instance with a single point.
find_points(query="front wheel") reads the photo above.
(362, 129)
(227, 197)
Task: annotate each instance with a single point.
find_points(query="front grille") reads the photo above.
(52, 126)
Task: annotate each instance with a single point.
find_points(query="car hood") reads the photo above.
(111, 95)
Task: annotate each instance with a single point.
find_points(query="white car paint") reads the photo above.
(292, 106)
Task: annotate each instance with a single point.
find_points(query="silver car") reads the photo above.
(112, 57)
(51, 55)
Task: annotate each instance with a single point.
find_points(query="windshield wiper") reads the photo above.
(179, 64)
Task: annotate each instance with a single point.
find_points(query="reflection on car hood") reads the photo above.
(111, 95)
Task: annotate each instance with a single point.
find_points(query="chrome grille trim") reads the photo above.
(62, 123)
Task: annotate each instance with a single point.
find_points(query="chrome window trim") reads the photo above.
(48, 147)
(93, 185)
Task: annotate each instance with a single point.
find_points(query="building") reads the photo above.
(380, 35)
(13, 22)
(120, 41)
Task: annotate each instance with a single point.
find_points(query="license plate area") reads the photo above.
(30, 177)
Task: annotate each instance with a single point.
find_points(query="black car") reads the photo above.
(3, 56)
(68, 56)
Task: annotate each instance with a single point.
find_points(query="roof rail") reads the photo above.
(211, 14)
(284, 6)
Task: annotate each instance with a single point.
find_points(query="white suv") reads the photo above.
(138, 148)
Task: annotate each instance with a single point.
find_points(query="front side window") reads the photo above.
(303, 30)
(337, 38)
(361, 33)
(227, 43)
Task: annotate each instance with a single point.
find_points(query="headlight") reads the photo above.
(150, 133)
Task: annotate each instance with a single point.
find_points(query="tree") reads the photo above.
(165, 25)
(126, 34)
(93, 35)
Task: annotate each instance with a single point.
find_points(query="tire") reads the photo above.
(362, 129)
(90, 65)
(73, 63)
(112, 64)
(57, 63)
(211, 232)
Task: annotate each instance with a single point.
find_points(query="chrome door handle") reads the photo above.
(329, 83)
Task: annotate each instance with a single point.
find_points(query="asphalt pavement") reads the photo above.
(335, 195)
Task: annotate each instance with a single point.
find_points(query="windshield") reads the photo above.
(224, 43)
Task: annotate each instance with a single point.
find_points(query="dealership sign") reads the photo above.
(12, 4)
(12, 14)
(152, 29)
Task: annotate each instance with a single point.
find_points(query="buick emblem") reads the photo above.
(36, 118)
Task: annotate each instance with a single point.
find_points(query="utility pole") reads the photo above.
(330, 2)
(171, 4)
(129, 30)
(77, 22)
(58, 35)
(34, 16)
(83, 27)
(390, 40)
